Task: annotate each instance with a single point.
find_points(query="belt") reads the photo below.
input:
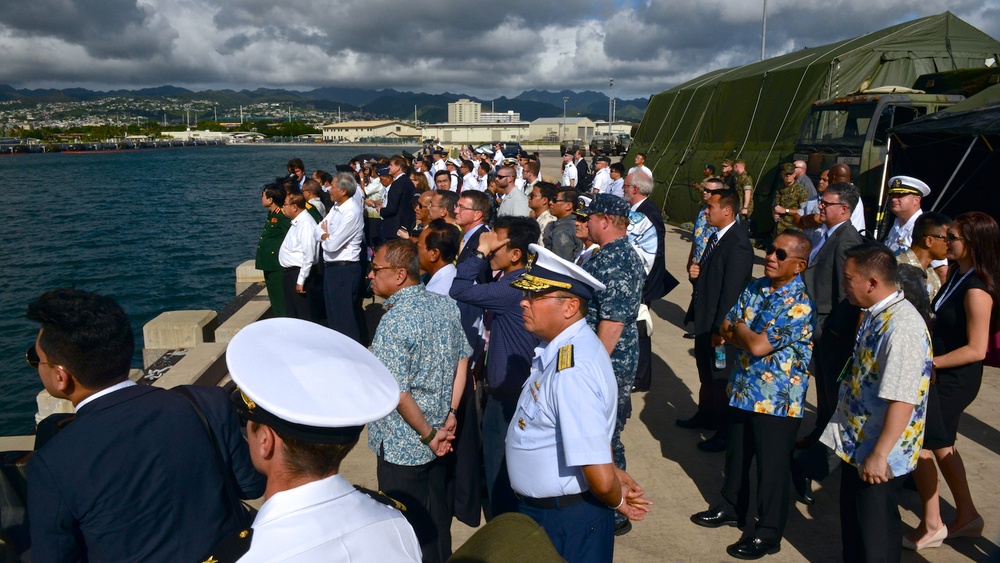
(293, 268)
(553, 503)
(340, 263)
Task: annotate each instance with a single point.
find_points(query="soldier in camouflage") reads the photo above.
(743, 187)
(788, 200)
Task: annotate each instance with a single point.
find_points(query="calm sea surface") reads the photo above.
(157, 229)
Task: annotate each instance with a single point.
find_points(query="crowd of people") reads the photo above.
(516, 329)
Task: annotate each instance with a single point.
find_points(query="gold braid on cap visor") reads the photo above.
(529, 282)
(248, 401)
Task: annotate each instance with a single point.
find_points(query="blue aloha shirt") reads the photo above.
(702, 232)
(774, 384)
(892, 362)
(420, 340)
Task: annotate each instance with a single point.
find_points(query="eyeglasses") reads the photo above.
(375, 269)
(942, 237)
(463, 208)
(532, 296)
(780, 253)
(31, 356)
(504, 176)
(952, 237)
(788, 173)
(824, 203)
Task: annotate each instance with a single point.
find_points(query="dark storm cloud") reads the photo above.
(425, 45)
(104, 28)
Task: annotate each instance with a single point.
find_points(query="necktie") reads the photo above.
(713, 241)
(815, 251)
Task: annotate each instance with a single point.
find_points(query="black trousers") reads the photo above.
(769, 439)
(870, 526)
(421, 488)
(712, 400)
(307, 306)
(341, 291)
(644, 369)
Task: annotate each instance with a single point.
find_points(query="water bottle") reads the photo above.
(720, 356)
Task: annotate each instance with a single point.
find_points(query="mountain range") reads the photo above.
(388, 103)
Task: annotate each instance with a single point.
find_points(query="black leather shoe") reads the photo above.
(715, 517)
(623, 528)
(714, 444)
(696, 422)
(752, 548)
(803, 486)
(689, 335)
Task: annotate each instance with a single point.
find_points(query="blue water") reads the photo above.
(157, 229)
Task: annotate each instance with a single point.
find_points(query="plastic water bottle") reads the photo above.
(720, 356)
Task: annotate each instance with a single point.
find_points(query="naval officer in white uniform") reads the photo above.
(307, 391)
(559, 440)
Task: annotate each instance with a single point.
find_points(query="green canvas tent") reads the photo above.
(755, 111)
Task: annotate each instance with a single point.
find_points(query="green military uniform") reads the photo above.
(789, 197)
(314, 212)
(267, 259)
(745, 182)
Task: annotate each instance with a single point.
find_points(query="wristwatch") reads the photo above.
(479, 255)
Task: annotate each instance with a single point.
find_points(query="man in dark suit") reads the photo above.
(836, 324)
(638, 185)
(134, 476)
(720, 276)
(397, 203)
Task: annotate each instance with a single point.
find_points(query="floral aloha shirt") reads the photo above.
(774, 384)
(892, 362)
(702, 232)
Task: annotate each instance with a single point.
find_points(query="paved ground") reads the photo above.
(681, 480)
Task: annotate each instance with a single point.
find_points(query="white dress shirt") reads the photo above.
(440, 282)
(345, 226)
(299, 246)
(602, 179)
(328, 520)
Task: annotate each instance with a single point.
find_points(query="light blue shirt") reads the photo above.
(564, 418)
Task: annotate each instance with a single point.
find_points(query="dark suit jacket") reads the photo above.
(134, 478)
(397, 210)
(470, 313)
(822, 279)
(721, 280)
(659, 282)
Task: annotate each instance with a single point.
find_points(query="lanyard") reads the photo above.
(950, 288)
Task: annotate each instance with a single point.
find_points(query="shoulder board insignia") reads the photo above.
(231, 548)
(381, 497)
(565, 357)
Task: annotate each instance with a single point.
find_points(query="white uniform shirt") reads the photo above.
(617, 187)
(299, 247)
(346, 227)
(440, 282)
(438, 166)
(471, 182)
(498, 157)
(900, 237)
(570, 176)
(602, 179)
(318, 204)
(645, 170)
(567, 415)
(328, 520)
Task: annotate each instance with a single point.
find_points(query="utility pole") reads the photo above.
(763, 32)
(241, 114)
(610, 104)
(215, 112)
(562, 133)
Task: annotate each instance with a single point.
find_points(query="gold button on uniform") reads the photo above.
(520, 423)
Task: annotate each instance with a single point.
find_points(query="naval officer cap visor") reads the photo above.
(308, 382)
(548, 272)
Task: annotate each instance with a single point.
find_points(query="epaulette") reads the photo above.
(231, 548)
(565, 358)
(381, 497)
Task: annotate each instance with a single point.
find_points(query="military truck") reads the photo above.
(854, 130)
(613, 144)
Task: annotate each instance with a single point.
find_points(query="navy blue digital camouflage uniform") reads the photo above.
(619, 267)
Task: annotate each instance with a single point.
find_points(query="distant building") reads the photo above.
(191, 135)
(510, 117)
(464, 111)
(556, 129)
(617, 127)
(356, 131)
(477, 133)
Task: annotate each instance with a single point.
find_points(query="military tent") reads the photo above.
(755, 111)
(955, 152)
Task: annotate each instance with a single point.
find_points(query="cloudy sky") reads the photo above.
(483, 49)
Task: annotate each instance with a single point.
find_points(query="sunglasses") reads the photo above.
(952, 237)
(780, 253)
(31, 356)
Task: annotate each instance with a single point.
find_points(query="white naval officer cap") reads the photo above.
(908, 185)
(308, 382)
(548, 272)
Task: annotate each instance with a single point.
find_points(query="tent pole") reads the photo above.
(955, 172)
(669, 185)
(881, 191)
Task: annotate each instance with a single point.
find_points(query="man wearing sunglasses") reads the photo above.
(771, 324)
(134, 476)
(836, 322)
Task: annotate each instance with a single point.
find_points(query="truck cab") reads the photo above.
(854, 130)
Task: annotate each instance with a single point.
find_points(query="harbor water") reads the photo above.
(157, 229)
